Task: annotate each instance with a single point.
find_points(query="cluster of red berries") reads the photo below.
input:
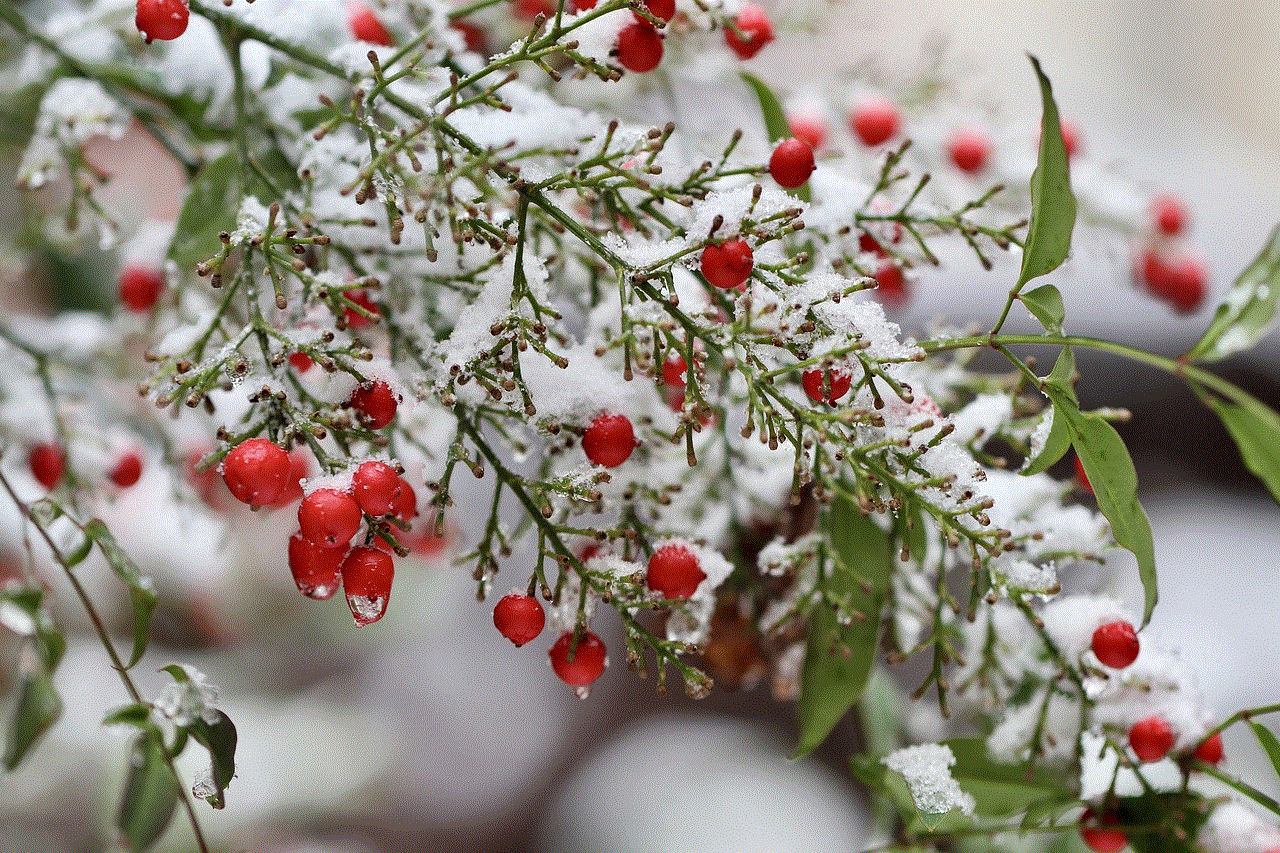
(48, 465)
(1162, 267)
(639, 44)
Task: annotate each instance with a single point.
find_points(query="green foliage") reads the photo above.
(37, 705)
(1253, 427)
(1249, 310)
(1045, 304)
(1053, 205)
(142, 593)
(150, 793)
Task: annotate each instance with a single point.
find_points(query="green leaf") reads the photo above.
(1255, 429)
(219, 737)
(1056, 444)
(37, 708)
(775, 121)
(77, 556)
(150, 793)
(1000, 790)
(1249, 310)
(142, 591)
(839, 656)
(1045, 304)
(213, 198)
(1269, 743)
(1053, 205)
(1110, 471)
(134, 714)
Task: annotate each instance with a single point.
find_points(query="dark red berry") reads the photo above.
(1186, 284)
(891, 285)
(376, 487)
(583, 665)
(1098, 833)
(329, 518)
(301, 361)
(969, 149)
(609, 440)
(874, 120)
(1151, 738)
(519, 618)
(140, 288)
(48, 463)
(825, 386)
(791, 163)
(299, 469)
(317, 571)
(376, 401)
(127, 471)
(161, 19)
(353, 318)
(1209, 750)
(256, 471)
(749, 31)
(674, 370)
(639, 47)
(365, 26)
(1169, 214)
(674, 572)
(366, 579)
(1116, 644)
(529, 9)
(664, 9)
(583, 5)
(727, 265)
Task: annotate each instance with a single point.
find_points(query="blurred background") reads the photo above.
(430, 732)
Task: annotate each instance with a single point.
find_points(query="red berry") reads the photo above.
(791, 163)
(584, 665)
(727, 265)
(140, 288)
(317, 571)
(664, 9)
(127, 471)
(366, 578)
(1070, 137)
(301, 361)
(609, 440)
(874, 120)
(257, 471)
(969, 149)
(825, 386)
(161, 19)
(1209, 750)
(48, 463)
(1098, 837)
(376, 401)
(299, 469)
(329, 518)
(353, 318)
(749, 31)
(639, 47)
(519, 618)
(376, 487)
(1116, 644)
(1186, 284)
(674, 370)
(1169, 214)
(674, 572)
(583, 5)
(1151, 738)
(1083, 479)
(812, 129)
(891, 284)
(472, 36)
(406, 502)
(529, 9)
(365, 26)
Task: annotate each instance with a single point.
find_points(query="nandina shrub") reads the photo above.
(399, 263)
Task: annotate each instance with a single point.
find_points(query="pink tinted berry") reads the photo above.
(1210, 750)
(727, 265)
(48, 463)
(329, 518)
(1169, 215)
(1151, 738)
(584, 665)
(1099, 835)
(140, 288)
(519, 618)
(969, 149)
(749, 31)
(812, 129)
(127, 471)
(376, 487)
(365, 26)
(674, 572)
(791, 163)
(256, 471)
(609, 440)
(1116, 644)
(317, 571)
(376, 401)
(825, 386)
(1070, 137)
(874, 120)
(366, 579)
(639, 47)
(161, 19)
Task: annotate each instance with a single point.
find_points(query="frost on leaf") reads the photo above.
(927, 769)
(185, 700)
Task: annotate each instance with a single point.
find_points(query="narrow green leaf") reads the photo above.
(142, 591)
(1063, 376)
(775, 120)
(839, 656)
(77, 556)
(213, 198)
(1269, 743)
(1249, 310)
(150, 793)
(134, 714)
(1110, 471)
(1056, 444)
(1053, 205)
(1000, 790)
(1045, 304)
(37, 708)
(1255, 429)
(219, 737)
